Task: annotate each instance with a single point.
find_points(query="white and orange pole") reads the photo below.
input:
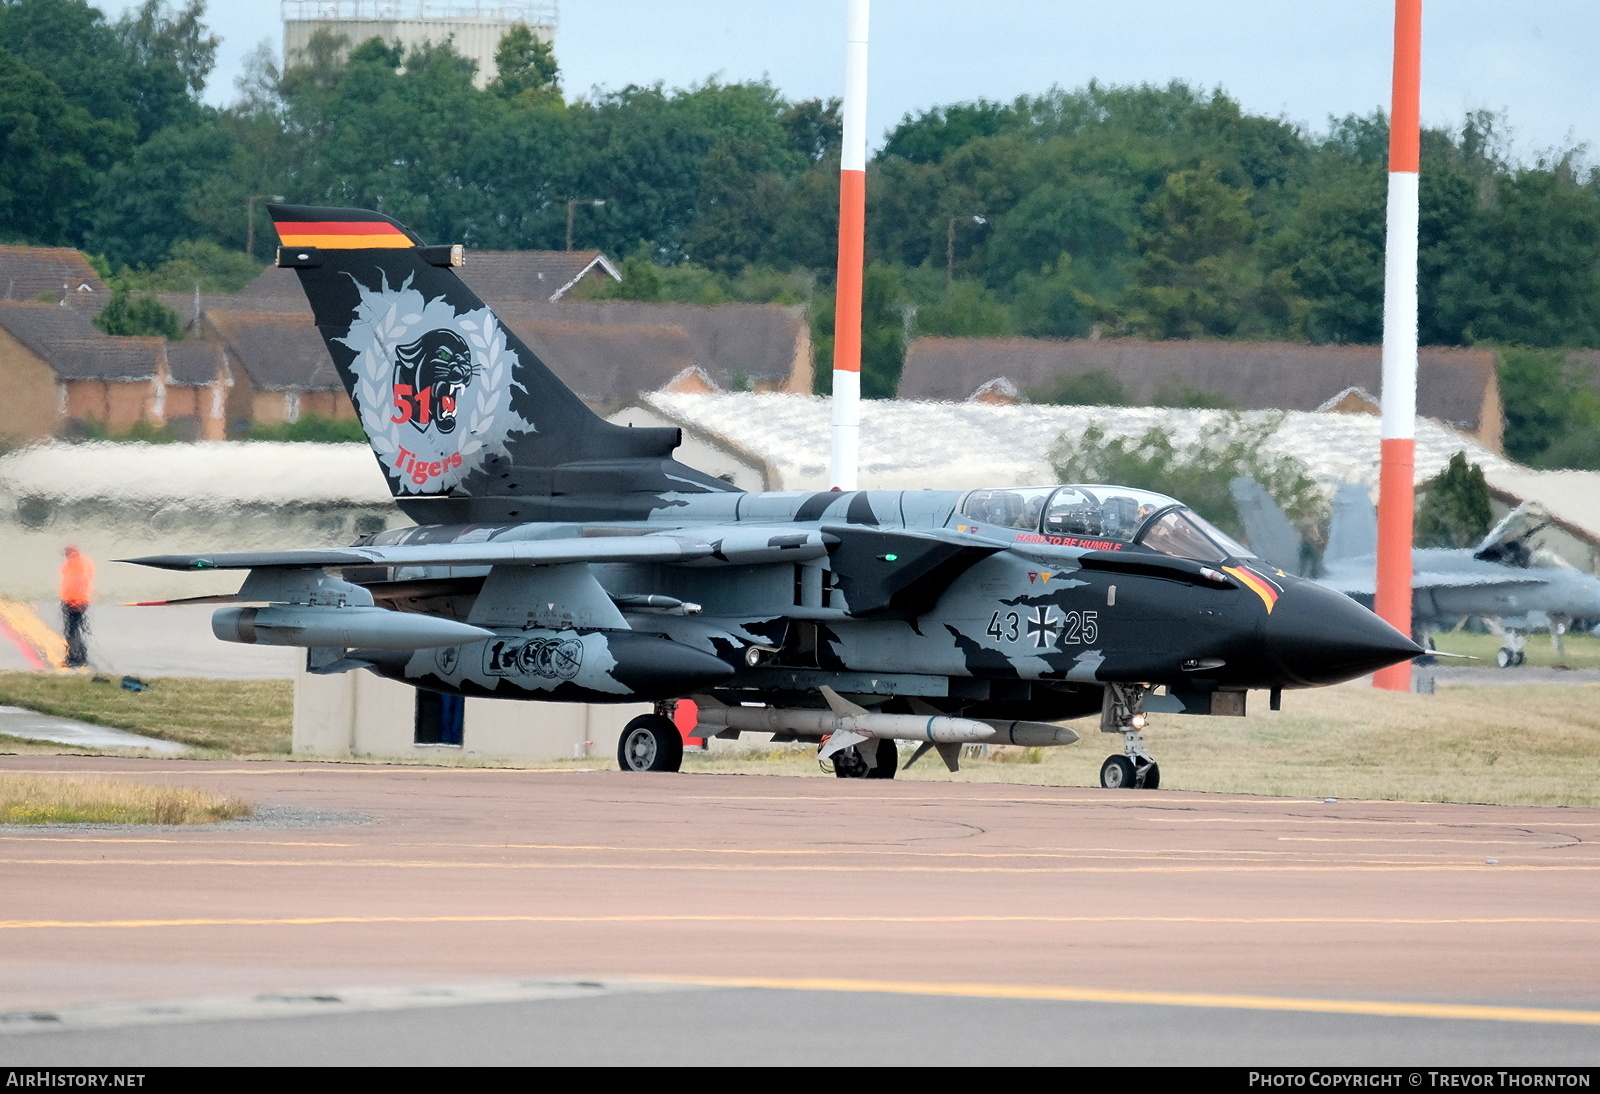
(1397, 472)
(846, 446)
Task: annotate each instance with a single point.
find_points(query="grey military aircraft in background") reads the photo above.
(561, 557)
(1505, 579)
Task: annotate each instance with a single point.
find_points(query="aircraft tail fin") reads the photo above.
(453, 403)
(1353, 531)
(1266, 526)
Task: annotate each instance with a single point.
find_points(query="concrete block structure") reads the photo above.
(359, 714)
(474, 28)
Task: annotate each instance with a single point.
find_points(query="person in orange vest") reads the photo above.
(77, 575)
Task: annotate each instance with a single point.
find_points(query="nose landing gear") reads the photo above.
(1123, 712)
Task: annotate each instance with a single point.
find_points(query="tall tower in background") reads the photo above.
(474, 26)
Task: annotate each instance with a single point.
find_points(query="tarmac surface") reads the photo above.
(451, 915)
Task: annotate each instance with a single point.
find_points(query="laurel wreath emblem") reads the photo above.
(388, 319)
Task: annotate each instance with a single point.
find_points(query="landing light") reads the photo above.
(1138, 721)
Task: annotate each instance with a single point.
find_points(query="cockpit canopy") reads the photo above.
(1104, 517)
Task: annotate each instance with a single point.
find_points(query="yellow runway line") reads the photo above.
(1370, 1008)
(323, 921)
(22, 619)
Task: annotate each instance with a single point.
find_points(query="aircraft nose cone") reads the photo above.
(1317, 636)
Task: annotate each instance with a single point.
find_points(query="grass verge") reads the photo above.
(1510, 745)
(42, 799)
(231, 716)
(1583, 650)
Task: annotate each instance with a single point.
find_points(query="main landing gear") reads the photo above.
(851, 764)
(1514, 653)
(651, 742)
(1123, 712)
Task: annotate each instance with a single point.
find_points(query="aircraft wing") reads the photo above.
(734, 546)
(1365, 583)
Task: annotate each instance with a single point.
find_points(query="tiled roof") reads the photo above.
(530, 275)
(280, 350)
(28, 272)
(66, 340)
(1452, 383)
(606, 352)
(495, 276)
(193, 363)
(606, 365)
(753, 342)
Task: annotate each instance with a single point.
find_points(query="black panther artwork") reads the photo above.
(429, 376)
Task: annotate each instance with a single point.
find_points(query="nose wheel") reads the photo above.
(1123, 712)
(1125, 773)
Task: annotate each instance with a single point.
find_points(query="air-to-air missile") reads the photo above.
(558, 556)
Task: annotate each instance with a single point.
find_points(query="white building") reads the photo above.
(474, 27)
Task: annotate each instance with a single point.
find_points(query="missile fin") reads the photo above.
(840, 741)
(923, 707)
(951, 755)
(841, 706)
(922, 750)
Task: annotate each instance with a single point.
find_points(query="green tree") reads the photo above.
(1092, 388)
(1193, 280)
(885, 315)
(965, 309)
(884, 318)
(146, 203)
(54, 152)
(526, 67)
(1197, 473)
(641, 279)
(1333, 248)
(155, 34)
(1455, 510)
(195, 263)
(1552, 413)
(143, 315)
(312, 428)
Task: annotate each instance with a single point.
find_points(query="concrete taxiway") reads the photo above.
(431, 915)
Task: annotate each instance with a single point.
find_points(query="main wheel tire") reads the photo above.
(1505, 658)
(1117, 773)
(848, 764)
(1152, 776)
(888, 760)
(1522, 657)
(650, 743)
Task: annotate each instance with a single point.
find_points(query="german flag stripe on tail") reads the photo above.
(308, 226)
(1256, 584)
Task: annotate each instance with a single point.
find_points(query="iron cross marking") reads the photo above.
(1043, 627)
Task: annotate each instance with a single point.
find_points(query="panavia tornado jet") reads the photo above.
(561, 557)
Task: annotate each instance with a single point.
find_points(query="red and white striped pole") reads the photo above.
(1397, 473)
(846, 445)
